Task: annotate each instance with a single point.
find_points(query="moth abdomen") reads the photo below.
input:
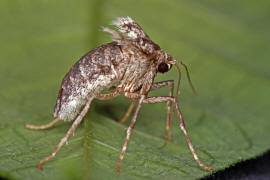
(93, 73)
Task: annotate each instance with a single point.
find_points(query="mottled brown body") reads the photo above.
(122, 65)
(128, 66)
(93, 73)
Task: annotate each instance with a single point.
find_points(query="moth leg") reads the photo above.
(109, 95)
(133, 96)
(159, 99)
(100, 97)
(162, 84)
(168, 106)
(125, 117)
(70, 132)
(46, 126)
(114, 94)
(129, 131)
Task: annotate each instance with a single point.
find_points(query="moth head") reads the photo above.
(165, 63)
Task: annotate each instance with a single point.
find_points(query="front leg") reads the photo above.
(168, 106)
(160, 99)
(155, 86)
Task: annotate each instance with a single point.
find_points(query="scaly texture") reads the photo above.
(130, 65)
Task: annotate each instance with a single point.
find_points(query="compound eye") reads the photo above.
(163, 67)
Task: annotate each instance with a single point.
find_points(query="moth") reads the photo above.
(128, 66)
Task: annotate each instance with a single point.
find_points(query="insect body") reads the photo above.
(94, 72)
(128, 65)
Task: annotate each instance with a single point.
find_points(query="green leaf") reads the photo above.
(225, 44)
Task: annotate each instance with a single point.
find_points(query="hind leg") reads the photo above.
(46, 126)
(70, 131)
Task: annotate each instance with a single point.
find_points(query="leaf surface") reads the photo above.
(225, 45)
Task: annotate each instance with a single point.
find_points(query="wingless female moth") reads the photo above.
(128, 65)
